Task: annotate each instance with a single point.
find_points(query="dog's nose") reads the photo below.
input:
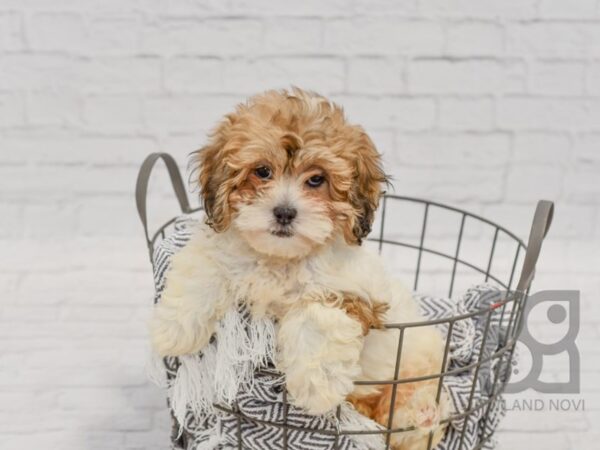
(284, 214)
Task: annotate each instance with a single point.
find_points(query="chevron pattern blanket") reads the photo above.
(231, 377)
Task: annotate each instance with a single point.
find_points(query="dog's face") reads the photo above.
(288, 172)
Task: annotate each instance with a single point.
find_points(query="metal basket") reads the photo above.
(460, 266)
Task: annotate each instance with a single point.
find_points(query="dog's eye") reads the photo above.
(315, 181)
(263, 172)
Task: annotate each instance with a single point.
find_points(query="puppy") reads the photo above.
(290, 189)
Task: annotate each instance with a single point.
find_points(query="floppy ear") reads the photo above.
(214, 177)
(366, 193)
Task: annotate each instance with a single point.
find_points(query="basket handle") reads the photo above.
(542, 220)
(141, 188)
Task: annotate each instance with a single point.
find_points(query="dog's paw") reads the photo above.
(319, 352)
(319, 390)
(425, 411)
(172, 337)
(416, 408)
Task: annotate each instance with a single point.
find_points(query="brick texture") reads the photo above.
(485, 104)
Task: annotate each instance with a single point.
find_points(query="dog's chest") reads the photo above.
(271, 289)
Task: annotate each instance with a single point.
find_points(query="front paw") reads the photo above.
(318, 351)
(321, 388)
(173, 337)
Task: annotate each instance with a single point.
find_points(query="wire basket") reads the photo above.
(495, 257)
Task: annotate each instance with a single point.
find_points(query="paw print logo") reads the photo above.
(558, 311)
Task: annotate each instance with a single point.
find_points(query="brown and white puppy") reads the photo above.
(290, 189)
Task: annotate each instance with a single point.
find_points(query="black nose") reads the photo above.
(284, 214)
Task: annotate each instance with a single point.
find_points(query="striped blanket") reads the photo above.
(259, 395)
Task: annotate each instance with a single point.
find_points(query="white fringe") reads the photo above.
(224, 367)
(215, 438)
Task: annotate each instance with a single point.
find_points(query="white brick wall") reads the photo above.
(486, 104)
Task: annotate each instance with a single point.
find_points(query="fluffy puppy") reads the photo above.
(290, 190)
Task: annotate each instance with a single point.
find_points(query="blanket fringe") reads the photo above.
(241, 345)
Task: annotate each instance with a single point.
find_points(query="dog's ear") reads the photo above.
(214, 177)
(367, 190)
